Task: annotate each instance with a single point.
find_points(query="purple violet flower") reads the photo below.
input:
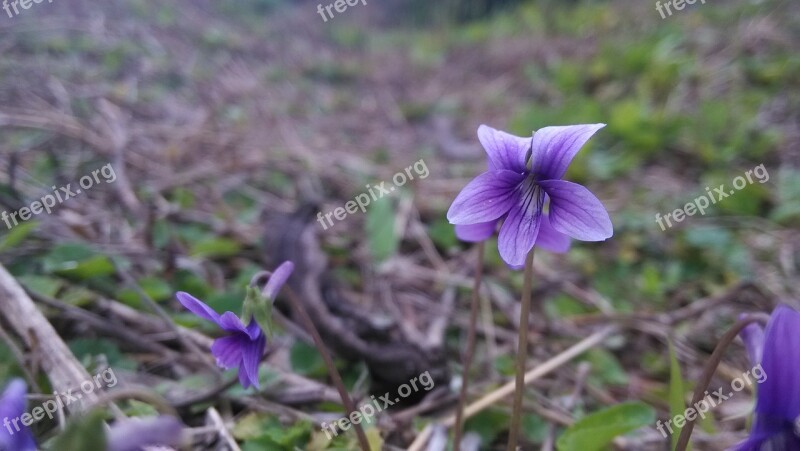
(244, 346)
(135, 434)
(14, 436)
(517, 194)
(777, 411)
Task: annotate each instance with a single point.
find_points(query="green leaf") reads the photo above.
(607, 369)
(596, 431)
(46, 286)
(374, 438)
(505, 365)
(443, 234)
(156, 288)
(534, 428)
(97, 266)
(677, 405)
(86, 349)
(305, 359)
(250, 426)
(17, 234)
(140, 409)
(77, 295)
(788, 187)
(215, 247)
(78, 261)
(488, 424)
(86, 432)
(8, 364)
(273, 435)
(563, 306)
(381, 235)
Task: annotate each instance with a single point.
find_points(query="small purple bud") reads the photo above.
(278, 279)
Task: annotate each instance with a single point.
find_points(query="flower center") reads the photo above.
(532, 198)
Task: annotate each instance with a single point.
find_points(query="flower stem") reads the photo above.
(473, 320)
(708, 373)
(522, 353)
(334, 373)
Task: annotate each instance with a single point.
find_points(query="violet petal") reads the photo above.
(134, 434)
(505, 151)
(12, 405)
(555, 147)
(277, 279)
(779, 394)
(576, 212)
(486, 198)
(520, 229)
(232, 323)
(228, 350)
(197, 307)
(474, 233)
(753, 337)
(252, 352)
(551, 239)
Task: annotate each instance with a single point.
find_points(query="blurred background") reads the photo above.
(218, 117)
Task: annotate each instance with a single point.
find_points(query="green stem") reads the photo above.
(708, 373)
(522, 353)
(473, 320)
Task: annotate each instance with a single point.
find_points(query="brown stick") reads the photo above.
(62, 368)
(708, 373)
(534, 374)
(473, 320)
(297, 304)
(522, 353)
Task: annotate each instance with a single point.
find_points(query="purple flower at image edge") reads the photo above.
(511, 192)
(777, 410)
(14, 436)
(244, 346)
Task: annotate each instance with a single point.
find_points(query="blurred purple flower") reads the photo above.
(134, 434)
(14, 436)
(278, 279)
(516, 194)
(244, 346)
(777, 411)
